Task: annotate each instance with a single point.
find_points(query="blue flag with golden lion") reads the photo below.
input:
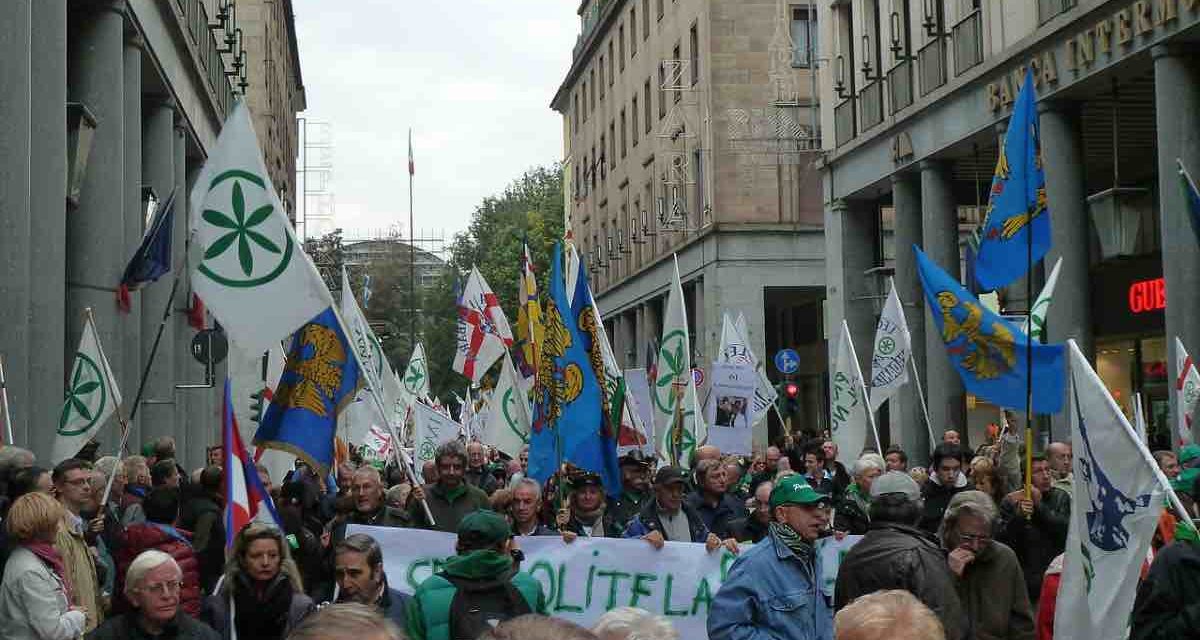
(319, 379)
(988, 351)
(1016, 232)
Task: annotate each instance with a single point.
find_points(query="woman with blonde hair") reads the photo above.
(35, 594)
(261, 593)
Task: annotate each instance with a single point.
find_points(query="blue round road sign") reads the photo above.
(787, 361)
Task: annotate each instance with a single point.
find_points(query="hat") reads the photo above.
(896, 482)
(668, 475)
(1188, 453)
(1186, 482)
(636, 457)
(795, 489)
(584, 479)
(483, 528)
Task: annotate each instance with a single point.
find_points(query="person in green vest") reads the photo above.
(478, 588)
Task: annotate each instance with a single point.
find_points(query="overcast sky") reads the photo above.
(473, 78)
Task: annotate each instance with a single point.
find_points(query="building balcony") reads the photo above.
(843, 122)
(931, 63)
(900, 86)
(967, 37)
(1047, 9)
(870, 100)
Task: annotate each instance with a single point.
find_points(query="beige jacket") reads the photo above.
(81, 571)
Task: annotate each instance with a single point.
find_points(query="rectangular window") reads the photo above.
(624, 133)
(662, 93)
(601, 85)
(592, 96)
(575, 112)
(649, 109)
(610, 63)
(584, 103)
(695, 51)
(600, 161)
(698, 159)
(633, 112)
(633, 31)
(660, 9)
(645, 19)
(612, 144)
(621, 45)
(804, 36)
(675, 82)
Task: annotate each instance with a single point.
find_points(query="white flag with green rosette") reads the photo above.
(362, 338)
(673, 390)
(92, 396)
(508, 418)
(1041, 306)
(893, 348)
(416, 374)
(245, 262)
(849, 415)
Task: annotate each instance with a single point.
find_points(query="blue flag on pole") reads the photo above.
(567, 416)
(1018, 195)
(319, 379)
(153, 256)
(988, 351)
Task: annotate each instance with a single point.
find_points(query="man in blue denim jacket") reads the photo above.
(772, 591)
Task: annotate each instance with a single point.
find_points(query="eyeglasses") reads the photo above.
(163, 589)
(971, 537)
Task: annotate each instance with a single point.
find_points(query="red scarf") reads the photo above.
(48, 554)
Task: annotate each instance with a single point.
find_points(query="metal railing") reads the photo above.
(967, 36)
(210, 56)
(900, 85)
(931, 63)
(870, 101)
(843, 122)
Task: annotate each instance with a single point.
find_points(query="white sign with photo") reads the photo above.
(731, 407)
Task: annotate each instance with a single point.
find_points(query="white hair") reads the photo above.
(532, 484)
(146, 562)
(865, 462)
(108, 465)
(635, 624)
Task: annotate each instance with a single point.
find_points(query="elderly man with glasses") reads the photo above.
(152, 586)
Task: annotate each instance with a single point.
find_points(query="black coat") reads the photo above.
(937, 497)
(719, 519)
(1040, 539)
(896, 556)
(1166, 607)
(125, 627)
(749, 529)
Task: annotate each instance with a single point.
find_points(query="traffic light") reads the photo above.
(256, 406)
(791, 391)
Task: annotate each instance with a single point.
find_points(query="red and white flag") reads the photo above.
(483, 331)
(244, 492)
(1187, 392)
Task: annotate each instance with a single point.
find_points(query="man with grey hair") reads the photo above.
(358, 570)
(346, 621)
(755, 526)
(631, 623)
(716, 507)
(152, 586)
(852, 511)
(895, 554)
(451, 497)
(989, 580)
(525, 508)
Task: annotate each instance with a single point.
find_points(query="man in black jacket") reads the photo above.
(1036, 528)
(895, 554)
(635, 487)
(666, 517)
(203, 515)
(1166, 604)
(717, 508)
(945, 480)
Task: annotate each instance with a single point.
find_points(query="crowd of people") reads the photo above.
(957, 550)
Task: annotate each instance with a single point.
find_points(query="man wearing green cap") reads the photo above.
(773, 590)
(477, 588)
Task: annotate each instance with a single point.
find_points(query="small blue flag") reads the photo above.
(988, 351)
(1018, 195)
(568, 403)
(1193, 197)
(153, 256)
(320, 378)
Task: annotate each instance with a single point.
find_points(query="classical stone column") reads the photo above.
(16, 172)
(96, 248)
(908, 428)
(1070, 312)
(1177, 120)
(48, 223)
(939, 221)
(158, 171)
(130, 349)
(850, 238)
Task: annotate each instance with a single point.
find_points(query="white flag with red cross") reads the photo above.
(483, 331)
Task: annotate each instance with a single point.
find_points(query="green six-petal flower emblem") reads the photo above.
(241, 231)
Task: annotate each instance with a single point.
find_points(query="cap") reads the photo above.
(483, 528)
(795, 489)
(1188, 453)
(668, 475)
(584, 479)
(896, 482)
(636, 457)
(1186, 482)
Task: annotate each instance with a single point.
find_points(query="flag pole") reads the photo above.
(125, 430)
(8, 430)
(912, 363)
(862, 387)
(162, 325)
(412, 251)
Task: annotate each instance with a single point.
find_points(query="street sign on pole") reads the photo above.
(698, 376)
(787, 361)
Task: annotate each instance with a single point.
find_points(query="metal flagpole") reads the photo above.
(162, 325)
(921, 396)
(8, 430)
(412, 249)
(862, 388)
(125, 430)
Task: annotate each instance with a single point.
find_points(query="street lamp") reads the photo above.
(81, 132)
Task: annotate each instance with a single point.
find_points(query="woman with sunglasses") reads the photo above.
(261, 594)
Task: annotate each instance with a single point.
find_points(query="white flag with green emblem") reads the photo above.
(676, 410)
(245, 262)
(849, 416)
(1042, 305)
(92, 396)
(508, 419)
(416, 374)
(893, 348)
(362, 338)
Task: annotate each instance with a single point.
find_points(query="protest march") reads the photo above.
(571, 497)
